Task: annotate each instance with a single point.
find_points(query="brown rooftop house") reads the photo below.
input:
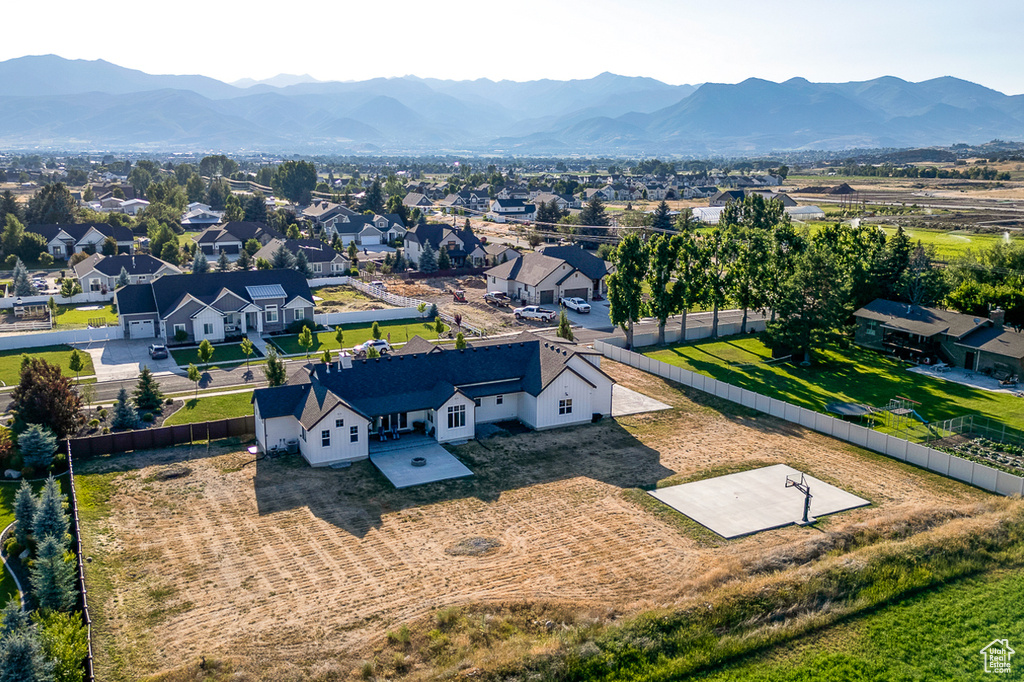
(928, 335)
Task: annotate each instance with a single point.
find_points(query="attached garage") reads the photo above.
(547, 296)
(141, 329)
(575, 293)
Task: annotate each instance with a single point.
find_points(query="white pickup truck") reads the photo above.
(533, 312)
(577, 304)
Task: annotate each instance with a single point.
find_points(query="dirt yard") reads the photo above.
(294, 573)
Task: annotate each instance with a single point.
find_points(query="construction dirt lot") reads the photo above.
(294, 573)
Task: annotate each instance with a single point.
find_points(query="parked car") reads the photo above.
(499, 298)
(158, 351)
(577, 304)
(379, 284)
(381, 345)
(533, 312)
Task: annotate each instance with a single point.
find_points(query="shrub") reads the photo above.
(169, 401)
(366, 670)
(399, 662)
(297, 326)
(94, 423)
(400, 636)
(45, 259)
(12, 547)
(106, 430)
(102, 414)
(148, 417)
(10, 261)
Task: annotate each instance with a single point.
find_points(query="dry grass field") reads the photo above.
(282, 572)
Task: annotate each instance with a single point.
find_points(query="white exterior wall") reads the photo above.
(566, 386)
(444, 434)
(212, 317)
(341, 448)
(577, 281)
(528, 410)
(601, 397)
(490, 411)
(276, 432)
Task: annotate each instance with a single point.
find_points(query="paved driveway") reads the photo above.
(125, 358)
(597, 318)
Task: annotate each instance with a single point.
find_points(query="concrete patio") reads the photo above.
(393, 458)
(965, 377)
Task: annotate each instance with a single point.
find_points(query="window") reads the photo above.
(300, 313)
(325, 438)
(353, 434)
(871, 327)
(207, 328)
(565, 406)
(456, 416)
(271, 313)
(499, 400)
(339, 423)
(177, 328)
(302, 432)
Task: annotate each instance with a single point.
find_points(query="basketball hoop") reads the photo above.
(805, 488)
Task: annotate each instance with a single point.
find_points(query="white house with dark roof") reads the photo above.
(545, 276)
(461, 245)
(323, 260)
(231, 237)
(64, 241)
(100, 273)
(333, 410)
(503, 210)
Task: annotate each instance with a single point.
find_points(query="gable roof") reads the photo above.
(316, 251)
(77, 231)
(437, 234)
(139, 264)
(238, 230)
(584, 261)
(531, 268)
(995, 340)
(918, 320)
(169, 291)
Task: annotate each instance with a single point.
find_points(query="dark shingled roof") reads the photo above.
(997, 341)
(241, 230)
(78, 230)
(915, 319)
(139, 264)
(587, 263)
(316, 251)
(168, 291)
(417, 381)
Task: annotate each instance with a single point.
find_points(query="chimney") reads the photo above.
(998, 317)
(345, 362)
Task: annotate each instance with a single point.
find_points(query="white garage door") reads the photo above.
(141, 329)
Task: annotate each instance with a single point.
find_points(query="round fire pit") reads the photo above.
(419, 461)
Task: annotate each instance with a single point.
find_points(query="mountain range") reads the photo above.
(51, 102)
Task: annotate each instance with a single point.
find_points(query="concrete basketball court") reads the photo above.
(755, 500)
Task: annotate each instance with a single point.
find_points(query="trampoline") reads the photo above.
(849, 409)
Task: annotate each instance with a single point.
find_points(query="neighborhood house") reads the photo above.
(214, 306)
(554, 272)
(332, 411)
(64, 241)
(100, 273)
(231, 237)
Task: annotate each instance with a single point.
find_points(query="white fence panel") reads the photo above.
(328, 281)
(807, 417)
(676, 374)
(1008, 484)
(961, 469)
(792, 413)
(777, 408)
(876, 441)
(895, 447)
(748, 398)
(722, 389)
(85, 297)
(641, 340)
(762, 403)
(699, 381)
(734, 394)
(61, 337)
(985, 476)
(358, 316)
(939, 461)
(841, 429)
(664, 370)
(823, 423)
(645, 363)
(859, 435)
(917, 454)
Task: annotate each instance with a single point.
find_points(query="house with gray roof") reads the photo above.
(927, 335)
(545, 276)
(365, 230)
(214, 305)
(333, 410)
(231, 237)
(64, 241)
(99, 273)
(462, 245)
(323, 260)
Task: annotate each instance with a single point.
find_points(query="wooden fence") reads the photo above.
(965, 470)
(163, 437)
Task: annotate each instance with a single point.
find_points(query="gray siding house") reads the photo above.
(214, 306)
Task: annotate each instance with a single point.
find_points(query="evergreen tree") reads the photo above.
(662, 220)
(37, 444)
(592, 219)
(444, 261)
(564, 327)
(148, 395)
(282, 258)
(24, 512)
(200, 265)
(374, 199)
(399, 265)
(244, 261)
(252, 246)
(53, 577)
(13, 619)
(122, 279)
(460, 341)
(255, 210)
(22, 659)
(302, 263)
(274, 369)
(428, 258)
(223, 264)
(125, 416)
(50, 519)
(22, 283)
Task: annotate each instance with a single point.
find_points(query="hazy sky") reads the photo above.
(673, 41)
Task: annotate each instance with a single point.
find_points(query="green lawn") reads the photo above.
(69, 317)
(212, 408)
(222, 353)
(8, 589)
(400, 330)
(339, 296)
(10, 361)
(853, 375)
(935, 635)
(952, 244)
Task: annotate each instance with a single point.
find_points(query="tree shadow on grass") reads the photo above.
(355, 499)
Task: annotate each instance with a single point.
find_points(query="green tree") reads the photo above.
(24, 512)
(148, 395)
(661, 219)
(52, 205)
(53, 577)
(294, 180)
(76, 363)
(564, 327)
(200, 266)
(233, 210)
(813, 307)
(263, 264)
(375, 331)
(123, 279)
(428, 258)
(717, 255)
(194, 189)
(274, 370)
(205, 351)
(624, 285)
(12, 235)
(305, 340)
(444, 261)
(38, 445)
(21, 657)
(109, 247)
(438, 326)
(339, 334)
(195, 376)
(22, 283)
(460, 341)
(256, 208)
(69, 288)
(244, 261)
(592, 219)
(325, 356)
(372, 353)
(223, 264)
(663, 258)
(247, 350)
(50, 521)
(124, 417)
(751, 253)
(64, 642)
(302, 263)
(140, 179)
(374, 199)
(252, 246)
(282, 258)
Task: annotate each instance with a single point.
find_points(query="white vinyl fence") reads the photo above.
(359, 316)
(328, 281)
(980, 475)
(77, 299)
(60, 337)
(696, 328)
